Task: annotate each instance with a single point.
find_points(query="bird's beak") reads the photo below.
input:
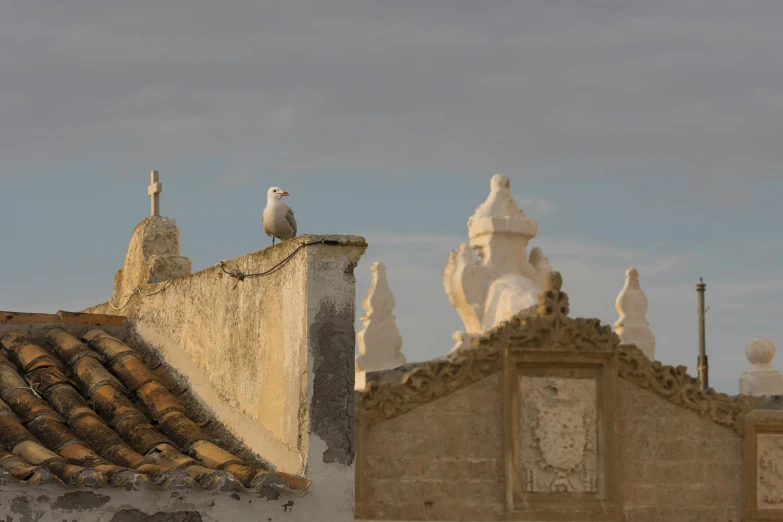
(285, 194)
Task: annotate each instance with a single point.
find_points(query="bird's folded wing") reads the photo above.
(289, 216)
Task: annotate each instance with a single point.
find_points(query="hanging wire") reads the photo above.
(241, 276)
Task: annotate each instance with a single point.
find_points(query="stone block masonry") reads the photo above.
(551, 418)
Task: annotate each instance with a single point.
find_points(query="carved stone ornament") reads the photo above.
(379, 340)
(763, 465)
(676, 386)
(550, 327)
(503, 279)
(546, 327)
(632, 325)
(559, 426)
(770, 471)
(384, 400)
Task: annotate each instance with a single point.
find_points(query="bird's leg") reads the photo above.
(273, 240)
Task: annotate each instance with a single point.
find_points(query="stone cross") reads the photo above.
(632, 326)
(761, 379)
(379, 340)
(153, 191)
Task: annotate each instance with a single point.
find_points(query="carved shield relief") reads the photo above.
(558, 432)
(562, 445)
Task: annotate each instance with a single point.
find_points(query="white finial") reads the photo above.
(153, 191)
(761, 379)
(632, 326)
(500, 213)
(379, 340)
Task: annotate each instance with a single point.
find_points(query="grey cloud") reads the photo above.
(557, 88)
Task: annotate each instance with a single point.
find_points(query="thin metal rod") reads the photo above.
(704, 367)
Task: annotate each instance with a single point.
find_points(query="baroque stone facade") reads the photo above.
(589, 429)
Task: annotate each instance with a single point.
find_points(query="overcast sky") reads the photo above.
(642, 134)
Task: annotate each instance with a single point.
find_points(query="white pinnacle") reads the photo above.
(632, 326)
(761, 379)
(379, 340)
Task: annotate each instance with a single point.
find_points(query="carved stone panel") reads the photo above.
(559, 434)
(763, 463)
(770, 471)
(561, 445)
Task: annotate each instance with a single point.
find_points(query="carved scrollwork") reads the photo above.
(675, 385)
(553, 302)
(436, 379)
(548, 326)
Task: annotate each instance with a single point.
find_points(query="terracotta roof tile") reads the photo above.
(24, 354)
(91, 375)
(93, 412)
(68, 347)
(17, 466)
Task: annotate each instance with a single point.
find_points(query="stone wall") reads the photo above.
(676, 465)
(442, 461)
(548, 417)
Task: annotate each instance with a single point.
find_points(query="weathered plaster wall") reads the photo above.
(331, 298)
(442, 461)
(676, 466)
(245, 346)
(54, 503)
(228, 338)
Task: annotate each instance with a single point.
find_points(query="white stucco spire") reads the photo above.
(631, 305)
(379, 340)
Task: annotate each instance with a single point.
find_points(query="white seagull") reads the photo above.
(278, 220)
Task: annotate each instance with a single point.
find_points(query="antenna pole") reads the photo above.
(701, 287)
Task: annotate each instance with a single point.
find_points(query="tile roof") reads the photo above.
(92, 414)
